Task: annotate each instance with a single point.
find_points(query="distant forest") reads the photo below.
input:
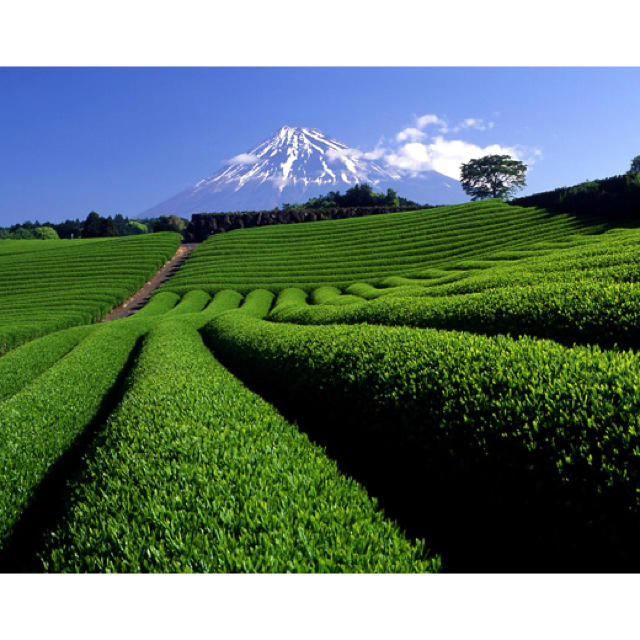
(94, 226)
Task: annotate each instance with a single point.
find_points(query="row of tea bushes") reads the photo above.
(40, 423)
(588, 312)
(27, 362)
(65, 283)
(558, 427)
(196, 473)
(341, 252)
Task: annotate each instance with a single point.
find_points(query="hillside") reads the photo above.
(430, 244)
(54, 284)
(452, 389)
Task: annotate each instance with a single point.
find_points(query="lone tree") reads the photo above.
(635, 165)
(492, 177)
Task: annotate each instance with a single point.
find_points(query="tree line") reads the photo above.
(360, 195)
(616, 198)
(94, 226)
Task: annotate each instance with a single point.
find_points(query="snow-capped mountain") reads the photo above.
(296, 164)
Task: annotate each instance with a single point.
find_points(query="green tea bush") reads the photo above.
(339, 253)
(545, 435)
(587, 312)
(290, 297)
(258, 303)
(323, 295)
(192, 302)
(27, 362)
(198, 474)
(159, 304)
(40, 422)
(49, 285)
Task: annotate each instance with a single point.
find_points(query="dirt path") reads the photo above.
(141, 297)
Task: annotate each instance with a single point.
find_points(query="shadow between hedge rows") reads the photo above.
(51, 499)
(478, 515)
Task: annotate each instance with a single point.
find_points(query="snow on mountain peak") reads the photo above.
(299, 155)
(294, 164)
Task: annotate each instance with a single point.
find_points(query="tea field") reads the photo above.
(455, 389)
(54, 284)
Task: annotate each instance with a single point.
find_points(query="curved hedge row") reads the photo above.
(588, 312)
(27, 362)
(39, 423)
(200, 474)
(556, 428)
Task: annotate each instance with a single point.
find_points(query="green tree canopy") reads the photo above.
(493, 176)
(635, 165)
(134, 228)
(46, 233)
(170, 223)
(91, 227)
(21, 233)
(108, 227)
(360, 195)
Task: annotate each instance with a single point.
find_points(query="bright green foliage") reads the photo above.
(322, 295)
(27, 362)
(46, 233)
(222, 301)
(572, 415)
(588, 293)
(520, 447)
(340, 252)
(49, 285)
(332, 296)
(290, 297)
(191, 302)
(160, 303)
(196, 473)
(29, 246)
(586, 313)
(40, 422)
(258, 303)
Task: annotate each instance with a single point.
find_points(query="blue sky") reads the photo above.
(120, 140)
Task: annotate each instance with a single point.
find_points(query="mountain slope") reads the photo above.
(296, 164)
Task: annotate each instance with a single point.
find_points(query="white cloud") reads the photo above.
(411, 134)
(415, 151)
(244, 158)
(468, 123)
(427, 119)
(413, 157)
(376, 154)
(475, 123)
(353, 154)
(444, 156)
(342, 155)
